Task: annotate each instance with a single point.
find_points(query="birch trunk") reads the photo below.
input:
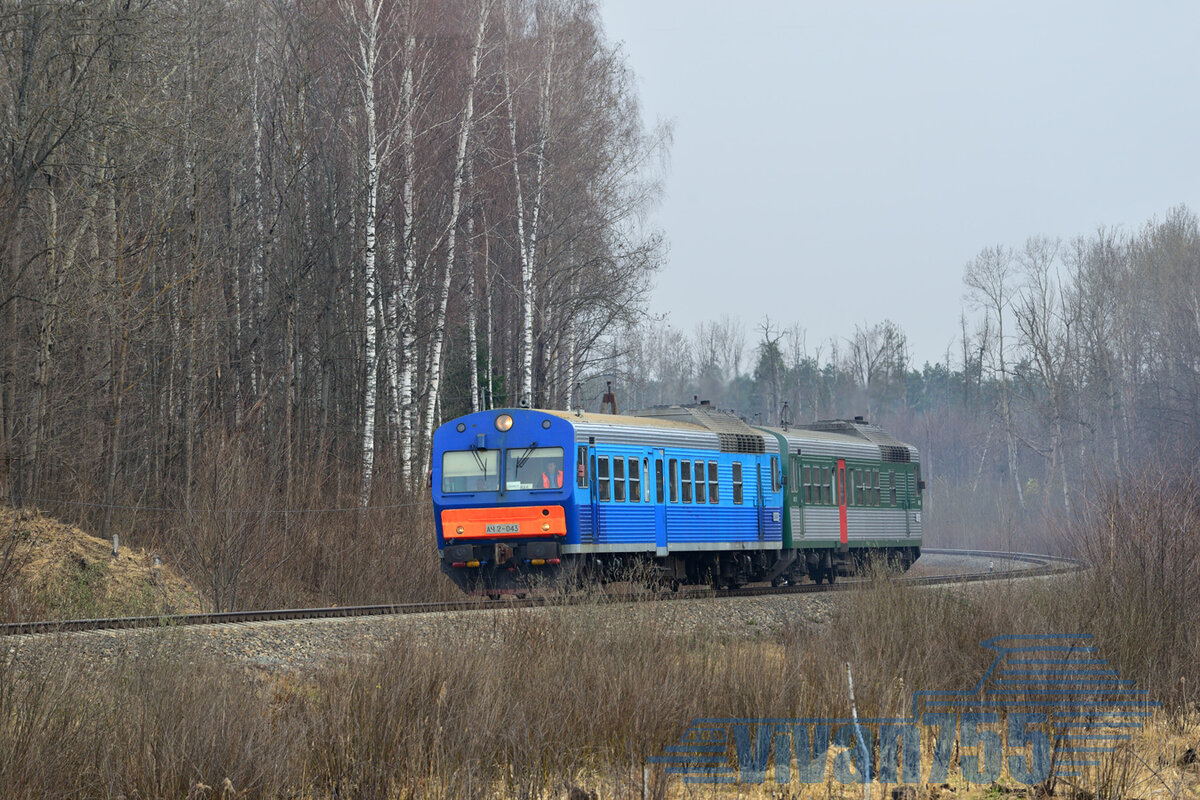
(528, 246)
(1006, 415)
(258, 255)
(472, 313)
(368, 54)
(460, 160)
(488, 344)
(406, 292)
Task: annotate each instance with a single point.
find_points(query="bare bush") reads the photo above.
(1141, 536)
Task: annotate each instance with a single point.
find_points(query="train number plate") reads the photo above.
(502, 527)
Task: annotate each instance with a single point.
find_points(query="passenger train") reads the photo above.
(689, 494)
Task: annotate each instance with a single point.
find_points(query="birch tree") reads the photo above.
(466, 121)
(366, 30)
(989, 278)
(1045, 319)
(527, 231)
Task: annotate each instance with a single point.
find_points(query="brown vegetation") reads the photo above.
(50, 570)
(526, 703)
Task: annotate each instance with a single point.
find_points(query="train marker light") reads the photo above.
(537, 562)
(473, 563)
(545, 526)
(460, 530)
(553, 562)
(503, 423)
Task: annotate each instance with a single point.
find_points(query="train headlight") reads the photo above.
(545, 526)
(503, 422)
(459, 530)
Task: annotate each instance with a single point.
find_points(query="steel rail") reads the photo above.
(1042, 565)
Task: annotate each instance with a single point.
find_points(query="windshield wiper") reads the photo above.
(525, 456)
(479, 462)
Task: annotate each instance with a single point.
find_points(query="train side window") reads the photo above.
(808, 485)
(685, 477)
(775, 482)
(619, 480)
(658, 480)
(827, 485)
(674, 480)
(712, 482)
(889, 486)
(635, 481)
(581, 478)
(700, 482)
(603, 482)
(875, 487)
(737, 483)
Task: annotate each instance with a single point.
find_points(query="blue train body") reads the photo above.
(523, 495)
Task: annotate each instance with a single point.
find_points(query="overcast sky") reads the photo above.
(838, 163)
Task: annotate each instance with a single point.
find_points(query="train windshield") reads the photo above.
(533, 468)
(471, 471)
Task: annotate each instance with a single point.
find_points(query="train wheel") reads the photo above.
(831, 572)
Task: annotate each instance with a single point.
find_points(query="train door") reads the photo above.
(795, 504)
(841, 499)
(760, 502)
(594, 531)
(901, 475)
(658, 497)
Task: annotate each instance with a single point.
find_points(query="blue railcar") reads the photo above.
(697, 495)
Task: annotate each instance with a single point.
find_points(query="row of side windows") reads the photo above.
(871, 487)
(620, 480)
(625, 480)
(697, 481)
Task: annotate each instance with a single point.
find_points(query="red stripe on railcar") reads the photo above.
(841, 470)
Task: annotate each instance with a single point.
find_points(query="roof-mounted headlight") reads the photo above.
(503, 422)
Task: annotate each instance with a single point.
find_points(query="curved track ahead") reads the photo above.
(1037, 565)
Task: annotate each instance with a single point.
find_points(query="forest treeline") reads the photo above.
(252, 252)
(1077, 362)
(274, 229)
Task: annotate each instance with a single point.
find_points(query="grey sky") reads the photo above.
(838, 163)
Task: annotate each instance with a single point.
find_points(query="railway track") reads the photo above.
(1032, 565)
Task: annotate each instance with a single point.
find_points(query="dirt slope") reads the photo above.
(50, 570)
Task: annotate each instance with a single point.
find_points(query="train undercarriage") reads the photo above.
(493, 568)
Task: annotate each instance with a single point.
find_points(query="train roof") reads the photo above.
(618, 420)
(704, 426)
(673, 425)
(850, 437)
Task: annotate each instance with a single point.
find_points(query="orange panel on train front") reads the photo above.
(492, 523)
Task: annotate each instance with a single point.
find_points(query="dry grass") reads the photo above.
(50, 570)
(523, 703)
(528, 703)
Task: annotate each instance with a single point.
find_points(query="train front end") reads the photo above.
(504, 499)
